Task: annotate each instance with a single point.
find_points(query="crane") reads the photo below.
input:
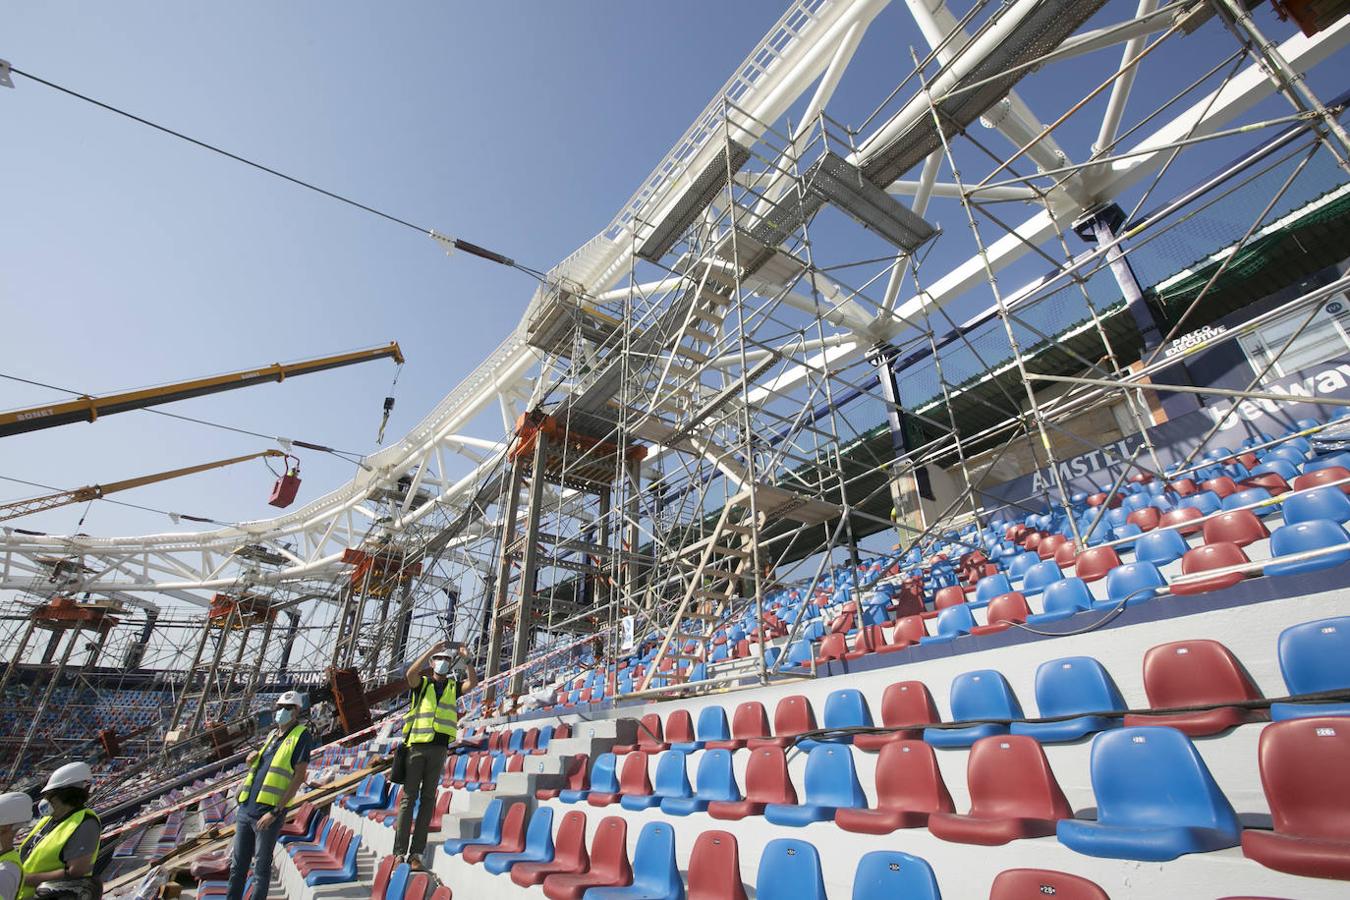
(88, 409)
(17, 508)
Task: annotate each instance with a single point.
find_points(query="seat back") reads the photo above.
(1161, 546)
(955, 620)
(418, 883)
(1153, 776)
(887, 874)
(766, 777)
(1009, 777)
(1305, 771)
(680, 727)
(512, 836)
(569, 847)
(382, 873)
(1039, 575)
(715, 868)
(633, 779)
(1195, 673)
(1009, 607)
(909, 630)
(1174, 520)
(712, 724)
(609, 851)
(1067, 594)
(578, 773)
(1020, 884)
(831, 779)
(649, 730)
(847, 708)
(948, 597)
(716, 780)
(834, 646)
(1134, 582)
(654, 867)
(1315, 656)
(603, 777)
(539, 836)
(908, 778)
(398, 883)
(983, 694)
(1236, 526)
(789, 869)
(908, 703)
(1094, 563)
(793, 716)
(1319, 503)
(1075, 685)
(990, 586)
(490, 829)
(672, 778)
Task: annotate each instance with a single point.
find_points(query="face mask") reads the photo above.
(441, 667)
(285, 716)
(44, 807)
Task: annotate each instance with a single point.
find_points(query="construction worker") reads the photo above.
(275, 772)
(430, 728)
(15, 809)
(60, 850)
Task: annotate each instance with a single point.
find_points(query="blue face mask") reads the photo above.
(285, 716)
(44, 808)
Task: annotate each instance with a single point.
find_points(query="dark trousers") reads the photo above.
(252, 845)
(426, 762)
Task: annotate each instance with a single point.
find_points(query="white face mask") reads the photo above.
(441, 667)
(44, 807)
(285, 715)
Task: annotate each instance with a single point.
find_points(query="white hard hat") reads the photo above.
(445, 653)
(292, 698)
(70, 774)
(15, 808)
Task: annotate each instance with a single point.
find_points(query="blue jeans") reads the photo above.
(252, 844)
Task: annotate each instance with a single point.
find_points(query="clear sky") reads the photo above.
(128, 258)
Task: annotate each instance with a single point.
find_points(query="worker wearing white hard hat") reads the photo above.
(437, 679)
(16, 809)
(276, 770)
(63, 844)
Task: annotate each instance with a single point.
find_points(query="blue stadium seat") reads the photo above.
(1125, 535)
(538, 844)
(844, 708)
(1205, 501)
(715, 781)
(1281, 467)
(1317, 503)
(990, 586)
(1250, 497)
(1301, 537)
(1020, 563)
(789, 870)
(1314, 657)
(1073, 686)
(489, 831)
(892, 875)
(1133, 583)
(655, 874)
(831, 783)
(712, 726)
(1156, 800)
(1161, 546)
(1062, 599)
(952, 623)
(1040, 575)
(982, 694)
(604, 780)
(672, 778)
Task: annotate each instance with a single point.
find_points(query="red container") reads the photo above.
(285, 489)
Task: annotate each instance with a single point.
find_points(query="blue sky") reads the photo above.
(128, 258)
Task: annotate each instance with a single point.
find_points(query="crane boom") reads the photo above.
(87, 409)
(94, 491)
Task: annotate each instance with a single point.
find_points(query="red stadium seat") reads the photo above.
(766, 781)
(908, 632)
(679, 727)
(903, 704)
(1002, 612)
(1319, 477)
(748, 722)
(1305, 771)
(1238, 526)
(1146, 518)
(1093, 563)
(1206, 559)
(948, 596)
(909, 789)
(1183, 487)
(569, 854)
(1024, 884)
(1223, 486)
(1196, 673)
(1013, 794)
(609, 864)
(1182, 519)
(1065, 554)
(578, 778)
(512, 838)
(868, 639)
(792, 716)
(648, 737)
(832, 649)
(1273, 482)
(715, 868)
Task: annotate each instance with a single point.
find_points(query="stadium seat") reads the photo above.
(1205, 501)
(844, 708)
(1145, 519)
(909, 630)
(512, 838)
(1027, 884)
(1303, 537)
(890, 874)
(952, 623)
(712, 726)
(832, 649)
(635, 785)
(680, 732)
(1038, 576)
(383, 870)
(1160, 547)
(983, 694)
(671, 781)
(489, 830)
(1156, 800)
(649, 737)
(1239, 526)
(1132, 584)
(749, 721)
(789, 870)
(609, 864)
(1196, 673)
(1221, 486)
(1305, 772)
(604, 781)
(714, 781)
(947, 597)
(1076, 686)
(792, 716)
(1062, 599)
(1314, 657)
(578, 781)
(1182, 519)
(1319, 477)
(909, 789)
(715, 868)
(1257, 499)
(830, 783)
(1094, 563)
(1013, 794)
(569, 853)
(1318, 503)
(990, 586)
(538, 844)
(905, 705)
(655, 874)
(766, 781)
(1209, 558)
(418, 884)
(1003, 611)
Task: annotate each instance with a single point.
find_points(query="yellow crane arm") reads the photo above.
(87, 409)
(94, 491)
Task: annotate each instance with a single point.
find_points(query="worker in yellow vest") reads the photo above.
(16, 809)
(437, 678)
(275, 772)
(60, 850)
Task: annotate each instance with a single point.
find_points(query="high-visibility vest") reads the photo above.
(45, 854)
(431, 715)
(279, 772)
